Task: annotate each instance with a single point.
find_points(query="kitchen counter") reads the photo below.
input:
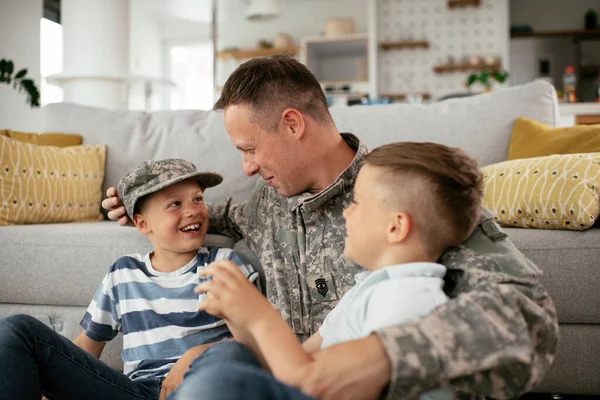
(579, 113)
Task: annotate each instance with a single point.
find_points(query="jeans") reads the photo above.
(36, 360)
(228, 379)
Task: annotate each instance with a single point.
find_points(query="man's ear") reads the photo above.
(399, 228)
(292, 122)
(141, 224)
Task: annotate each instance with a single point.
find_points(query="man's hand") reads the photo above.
(116, 210)
(229, 295)
(355, 370)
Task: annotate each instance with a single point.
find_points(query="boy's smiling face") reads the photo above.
(175, 219)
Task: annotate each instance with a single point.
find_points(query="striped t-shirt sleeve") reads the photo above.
(101, 321)
(246, 268)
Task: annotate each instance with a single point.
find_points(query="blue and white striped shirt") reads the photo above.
(156, 311)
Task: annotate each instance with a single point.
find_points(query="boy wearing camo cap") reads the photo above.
(153, 301)
(149, 298)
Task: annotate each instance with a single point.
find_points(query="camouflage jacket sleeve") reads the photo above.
(235, 220)
(497, 336)
(227, 219)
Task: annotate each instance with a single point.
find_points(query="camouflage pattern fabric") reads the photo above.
(152, 176)
(496, 338)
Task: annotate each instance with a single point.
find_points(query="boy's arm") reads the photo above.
(91, 346)
(313, 343)
(232, 297)
(278, 345)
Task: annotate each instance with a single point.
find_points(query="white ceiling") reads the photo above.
(198, 10)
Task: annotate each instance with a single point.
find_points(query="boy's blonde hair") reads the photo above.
(439, 186)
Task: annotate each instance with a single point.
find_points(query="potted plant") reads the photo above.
(19, 81)
(487, 77)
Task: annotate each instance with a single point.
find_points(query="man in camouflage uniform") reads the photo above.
(496, 337)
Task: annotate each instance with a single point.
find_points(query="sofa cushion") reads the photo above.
(555, 192)
(44, 184)
(46, 139)
(133, 137)
(533, 139)
(63, 264)
(481, 125)
(570, 261)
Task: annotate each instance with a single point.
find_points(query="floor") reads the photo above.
(543, 396)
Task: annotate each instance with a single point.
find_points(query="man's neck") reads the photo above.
(166, 261)
(331, 157)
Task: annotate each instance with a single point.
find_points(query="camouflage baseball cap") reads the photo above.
(152, 176)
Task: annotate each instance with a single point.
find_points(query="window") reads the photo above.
(192, 71)
(51, 60)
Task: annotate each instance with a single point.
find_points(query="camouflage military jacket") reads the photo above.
(299, 241)
(497, 339)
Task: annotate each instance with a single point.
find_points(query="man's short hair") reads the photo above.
(269, 85)
(441, 186)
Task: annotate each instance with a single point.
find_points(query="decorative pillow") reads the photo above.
(553, 192)
(534, 139)
(45, 139)
(40, 184)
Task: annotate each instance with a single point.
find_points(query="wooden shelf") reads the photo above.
(405, 44)
(589, 71)
(463, 67)
(402, 96)
(578, 33)
(463, 3)
(251, 53)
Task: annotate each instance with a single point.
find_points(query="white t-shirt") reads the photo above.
(389, 296)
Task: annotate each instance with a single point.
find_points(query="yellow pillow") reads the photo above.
(40, 184)
(553, 192)
(534, 139)
(45, 139)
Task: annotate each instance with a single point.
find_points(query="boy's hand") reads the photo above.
(175, 375)
(229, 295)
(116, 210)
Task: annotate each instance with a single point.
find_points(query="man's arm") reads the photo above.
(91, 346)
(234, 220)
(498, 339)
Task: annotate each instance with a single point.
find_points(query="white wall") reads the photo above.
(549, 15)
(299, 18)
(20, 42)
(145, 51)
(452, 33)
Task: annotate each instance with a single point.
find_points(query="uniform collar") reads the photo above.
(345, 181)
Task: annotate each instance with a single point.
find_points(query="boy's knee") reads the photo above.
(15, 325)
(228, 350)
(222, 381)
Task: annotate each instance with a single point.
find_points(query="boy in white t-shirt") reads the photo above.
(412, 202)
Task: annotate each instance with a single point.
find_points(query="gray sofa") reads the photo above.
(52, 271)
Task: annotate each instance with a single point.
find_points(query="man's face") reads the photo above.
(366, 220)
(274, 156)
(177, 217)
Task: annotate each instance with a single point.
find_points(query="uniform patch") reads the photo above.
(322, 287)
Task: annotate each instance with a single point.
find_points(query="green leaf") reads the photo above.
(21, 73)
(10, 67)
(471, 79)
(485, 75)
(2, 67)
